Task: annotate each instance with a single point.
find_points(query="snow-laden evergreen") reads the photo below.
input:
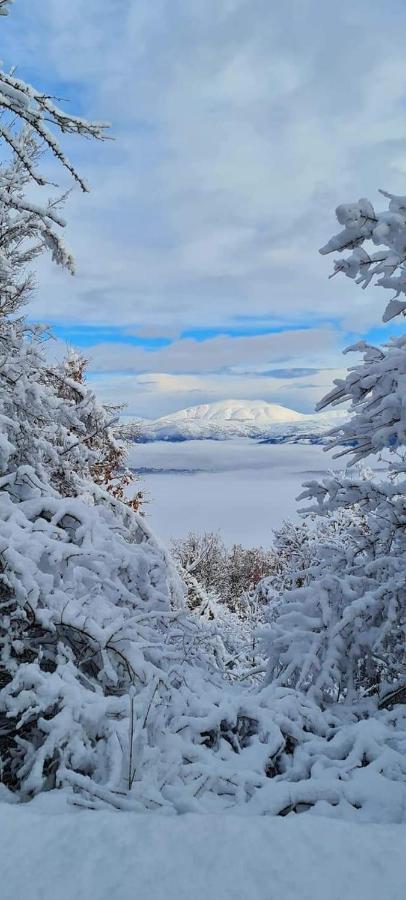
(344, 634)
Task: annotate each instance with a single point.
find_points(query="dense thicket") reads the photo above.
(226, 572)
(75, 562)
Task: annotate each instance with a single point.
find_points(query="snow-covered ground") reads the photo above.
(239, 487)
(50, 853)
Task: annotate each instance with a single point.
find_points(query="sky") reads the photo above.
(239, 126)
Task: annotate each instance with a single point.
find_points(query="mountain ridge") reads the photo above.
(226, 419)
(236, 411)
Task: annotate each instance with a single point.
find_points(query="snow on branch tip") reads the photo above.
(30, 108)
(5, 7)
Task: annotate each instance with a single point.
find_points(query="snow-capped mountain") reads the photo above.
(227, 419)
(224, 411)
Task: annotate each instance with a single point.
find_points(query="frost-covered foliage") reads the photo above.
(48, 420)
(5, 7)
(336, 640)
(297, 555)
(27, 227)
(107, 465)
(384, 229)
(302, 549)
(344, 633)
(26, 230)
(106, 684)
(375, 388)
(222, 587)
(23, 105)
(228, 572)
(203, 558)
(86, 593)
(75, 564)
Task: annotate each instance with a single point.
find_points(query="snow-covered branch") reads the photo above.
(29, 107)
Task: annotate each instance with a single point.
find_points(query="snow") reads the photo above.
(239, 410)
(55, 851)
(237, 418)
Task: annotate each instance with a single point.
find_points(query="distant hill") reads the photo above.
(227, 419)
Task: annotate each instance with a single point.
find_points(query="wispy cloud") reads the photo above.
(216, 354)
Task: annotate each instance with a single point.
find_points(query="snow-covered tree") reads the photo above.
(107, 454)
(5, 7)
(345, 633)
(26, 230)
(245, 567)
(202, 556)
(229, 572)
(23, 105)
(75, 563)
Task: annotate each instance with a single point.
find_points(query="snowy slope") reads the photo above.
(258, 411)
(48, 852)
(236, 418)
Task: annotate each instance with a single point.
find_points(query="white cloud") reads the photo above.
(158, 393)
(312, 347)
(239, 128)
